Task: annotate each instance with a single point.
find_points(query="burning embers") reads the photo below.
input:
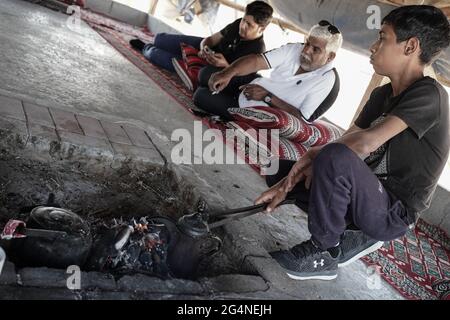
(57, 238)
(133, 246)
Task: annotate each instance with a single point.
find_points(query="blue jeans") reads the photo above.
(166, 47)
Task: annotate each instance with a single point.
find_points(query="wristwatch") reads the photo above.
(268, 98)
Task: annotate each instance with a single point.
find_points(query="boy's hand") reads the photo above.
(274, 196)
(217, 60)
(302, 170)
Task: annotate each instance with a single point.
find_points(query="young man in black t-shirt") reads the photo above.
(372, 183)
(242, 37)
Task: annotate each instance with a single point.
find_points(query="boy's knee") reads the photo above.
(336, 153)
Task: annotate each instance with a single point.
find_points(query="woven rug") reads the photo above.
(417, 265)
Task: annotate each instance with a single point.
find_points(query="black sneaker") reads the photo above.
(305, 261)
(137, 44)
(354, 245)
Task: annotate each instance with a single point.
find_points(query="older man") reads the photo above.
(301, 79)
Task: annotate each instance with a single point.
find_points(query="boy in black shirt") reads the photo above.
(242, 37)
(403, 136)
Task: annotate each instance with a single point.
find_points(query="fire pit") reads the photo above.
(127, 217)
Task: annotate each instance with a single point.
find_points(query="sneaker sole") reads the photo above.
(312, 277)
(370, 249)
(182, 74)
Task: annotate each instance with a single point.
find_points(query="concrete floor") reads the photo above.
(43, 61)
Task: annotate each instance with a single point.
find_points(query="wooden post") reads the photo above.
(283, 24)
(153, 7)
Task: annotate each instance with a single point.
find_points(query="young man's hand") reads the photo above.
(302, 170)
(217, 60)
(254, 92)
(274, 196)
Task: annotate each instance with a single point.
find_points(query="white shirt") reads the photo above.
(304, 91)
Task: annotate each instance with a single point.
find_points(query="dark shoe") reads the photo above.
(306, 261)
(137, 44)
(354, 245)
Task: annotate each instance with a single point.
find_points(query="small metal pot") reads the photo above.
(185, 252)
(60, 251)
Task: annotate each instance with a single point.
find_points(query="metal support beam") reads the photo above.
(283, 24)
(153, 7)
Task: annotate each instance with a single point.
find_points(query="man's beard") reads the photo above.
(305, 62)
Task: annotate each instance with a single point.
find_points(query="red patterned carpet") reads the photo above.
(417, 265)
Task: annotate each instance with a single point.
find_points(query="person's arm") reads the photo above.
(258, 93)
(365, 141)
(209, 42)
(241, 67)
(283, 105)
(360, 141)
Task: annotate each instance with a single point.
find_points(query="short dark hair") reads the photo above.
(260, 11)
(427, 23)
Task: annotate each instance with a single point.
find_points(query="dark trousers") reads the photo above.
(219, 104)
(344, 191)
(167, 46)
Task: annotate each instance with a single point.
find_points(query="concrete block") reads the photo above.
(8, 275)
(73, 144)
(91, 127)
(43, 277)
(13, 132)
(20, 293)
(127, 14)
(97, 280)
(38, 115)
(65, 121)
(235, 283)
(138, 137)
(142, 283)
(11, 108)
(115, 133)
(42, 131)
(158, 26)
(43, 140)
(270, 270)
(151, 156)
(57, 278)
(101, 6)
